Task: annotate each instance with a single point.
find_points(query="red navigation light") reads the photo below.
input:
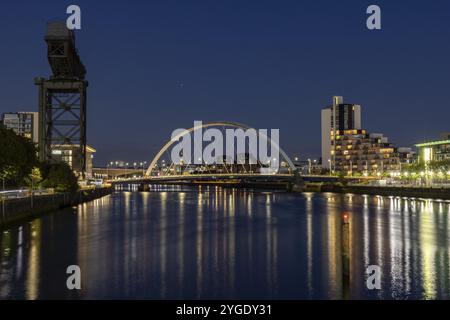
(345, 217)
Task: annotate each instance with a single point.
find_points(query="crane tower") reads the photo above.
(62, 101)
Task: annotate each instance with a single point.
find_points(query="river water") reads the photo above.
(210, 242)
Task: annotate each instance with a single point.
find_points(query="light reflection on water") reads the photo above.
(211, 242)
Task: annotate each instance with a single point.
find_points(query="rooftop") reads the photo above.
(432, 143)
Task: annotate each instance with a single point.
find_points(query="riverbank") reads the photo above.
(15, 210)
(410, 192)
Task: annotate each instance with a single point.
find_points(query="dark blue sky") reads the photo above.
(154, 66)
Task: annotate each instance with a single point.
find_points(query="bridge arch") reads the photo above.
(207, 125)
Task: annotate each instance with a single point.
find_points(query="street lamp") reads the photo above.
(367, 169)
(351, 167)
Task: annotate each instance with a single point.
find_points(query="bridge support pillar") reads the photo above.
(144, 187)
(298, 184)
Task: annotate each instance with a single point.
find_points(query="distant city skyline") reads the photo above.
(268, 65)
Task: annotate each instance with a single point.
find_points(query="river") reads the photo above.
(180, 242)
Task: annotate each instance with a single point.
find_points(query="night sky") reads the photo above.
(154, 66)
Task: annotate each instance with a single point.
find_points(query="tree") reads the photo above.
(59, 176)
(442, 165)
(341, 178)
(34, 178)
(413, 168)
(17, 157)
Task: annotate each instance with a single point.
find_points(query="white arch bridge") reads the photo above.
(163, 170)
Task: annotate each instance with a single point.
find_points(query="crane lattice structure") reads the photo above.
(62, 101)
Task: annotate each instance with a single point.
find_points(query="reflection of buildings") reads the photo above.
(22, 123)
(436, 150)
(71, 155)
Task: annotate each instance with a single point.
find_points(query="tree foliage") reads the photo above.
(59, 176)
(17, 157)
(413, 168)
(19, 165)
(34, 178)
(443, 165)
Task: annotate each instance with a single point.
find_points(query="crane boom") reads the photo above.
(62, 53)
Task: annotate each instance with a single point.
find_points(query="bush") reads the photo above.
(59, 176)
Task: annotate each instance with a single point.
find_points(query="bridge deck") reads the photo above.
(210, 177)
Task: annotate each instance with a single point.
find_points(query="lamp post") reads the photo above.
(32, 187)
(351, 167)
(345, 245)
(309, 166)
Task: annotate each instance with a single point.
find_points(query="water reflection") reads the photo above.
(212, 242)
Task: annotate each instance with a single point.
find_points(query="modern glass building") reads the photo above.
(72, 156)
(437, 150)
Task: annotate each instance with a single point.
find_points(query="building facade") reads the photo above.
(339, 116)
(72, 156)
(358, 152)
(406, 155)
(437, 150)
(25, 124)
